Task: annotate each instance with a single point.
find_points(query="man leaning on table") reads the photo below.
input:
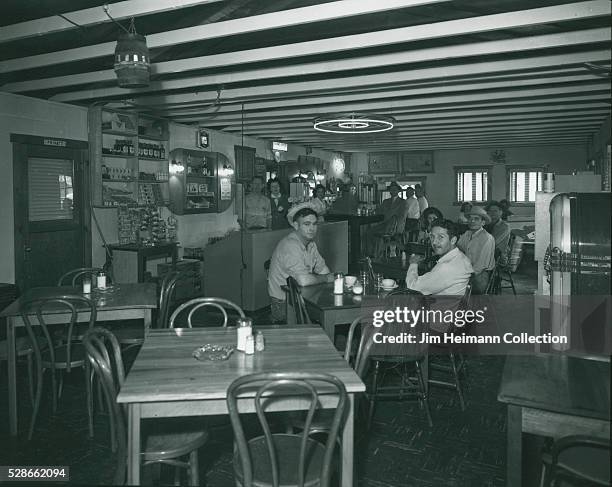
(297, 256)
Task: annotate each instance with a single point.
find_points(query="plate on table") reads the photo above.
(211, 352)
(389, 288)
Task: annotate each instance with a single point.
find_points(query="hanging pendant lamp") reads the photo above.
(132, 59)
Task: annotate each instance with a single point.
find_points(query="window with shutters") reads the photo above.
(472, 184)
(523, 183)
(50, 195)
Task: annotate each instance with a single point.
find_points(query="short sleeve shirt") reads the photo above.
(292, 258)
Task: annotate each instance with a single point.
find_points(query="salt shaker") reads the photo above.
(339, 283)
(249, 348)
(243, 332)
(101, 280)
(86, 286)
(260, 343)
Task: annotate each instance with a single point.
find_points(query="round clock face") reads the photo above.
(277, 156)
(338, 165)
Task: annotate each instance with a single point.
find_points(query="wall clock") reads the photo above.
(338, 165)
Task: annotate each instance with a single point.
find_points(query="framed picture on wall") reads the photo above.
(417, 162)
(383, 162)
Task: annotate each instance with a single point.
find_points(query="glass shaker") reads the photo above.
(243, 331)
(338, 283)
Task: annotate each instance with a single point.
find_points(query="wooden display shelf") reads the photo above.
(119, 132)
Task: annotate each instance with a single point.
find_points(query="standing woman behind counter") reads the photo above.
(258, 213)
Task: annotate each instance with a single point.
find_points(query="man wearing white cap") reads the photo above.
(297, 256)
(479, 246)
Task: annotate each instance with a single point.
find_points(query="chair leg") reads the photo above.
(373, 393)
(39, 384)
(424, 397)
(457, 383)
(511, 282)
(54, 389)
(194, 471)
(89, 399)
(30, 378)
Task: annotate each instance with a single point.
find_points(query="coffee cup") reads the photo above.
(388, 283)
(349, 280)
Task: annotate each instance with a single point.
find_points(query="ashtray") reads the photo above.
(212, 352)
(107, 289)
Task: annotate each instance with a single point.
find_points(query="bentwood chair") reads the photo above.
(284, 459)
(195, 304)
(57, 351)
(296, 301)
(456, 360)
(577, 460)
(75, 277)
(398, 360)
(166, 442)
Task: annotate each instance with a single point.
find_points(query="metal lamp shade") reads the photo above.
(132, 60)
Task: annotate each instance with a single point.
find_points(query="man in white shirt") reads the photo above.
(479, 246)
(413, 215)
(452, 272)
(420, 196)
(258, 212)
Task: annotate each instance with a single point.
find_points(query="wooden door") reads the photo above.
(51, 208)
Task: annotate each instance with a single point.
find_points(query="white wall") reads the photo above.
(440, 185)
(30, 116)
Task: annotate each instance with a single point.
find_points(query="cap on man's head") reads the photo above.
(479, 211)
(393, 184)
(294, 209)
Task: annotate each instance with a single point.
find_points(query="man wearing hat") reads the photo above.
(479, 246)
(499, 229)
(297, 256)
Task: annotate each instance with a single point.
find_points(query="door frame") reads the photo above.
(80, 149)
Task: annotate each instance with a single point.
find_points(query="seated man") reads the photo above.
(297, 256)
(451, 274)
(479, 246)
(499, 229)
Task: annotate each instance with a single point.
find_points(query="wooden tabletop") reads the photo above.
(355, 219)
(121, 296)
(165, 369)
(557, 383)
(322, 296)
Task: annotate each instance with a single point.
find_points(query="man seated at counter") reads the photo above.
(279, 205)
(347, 202)
(297, 256)
(451, 274)
(258, 213)
(479, 246)
(499, 229)
(318, 201)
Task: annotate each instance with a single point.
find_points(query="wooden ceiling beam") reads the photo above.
(92, 16)
(256, 23)
(442, 54)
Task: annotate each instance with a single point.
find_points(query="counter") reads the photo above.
(234, 266)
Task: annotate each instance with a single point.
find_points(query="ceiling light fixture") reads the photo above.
(131, 56)
(353, 123)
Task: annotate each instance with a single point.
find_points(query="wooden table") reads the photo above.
(127, 302)
(166, 381)
(327, 308)
(554, 396)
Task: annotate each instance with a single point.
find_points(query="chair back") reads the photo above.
(515, 252)
(357, 341)
(46, 311)
(197, 303)
(267, 386)
(104, 354)
(166, 294)
(73, 277)
(465, 300)
(585, 460)
(296, 300)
